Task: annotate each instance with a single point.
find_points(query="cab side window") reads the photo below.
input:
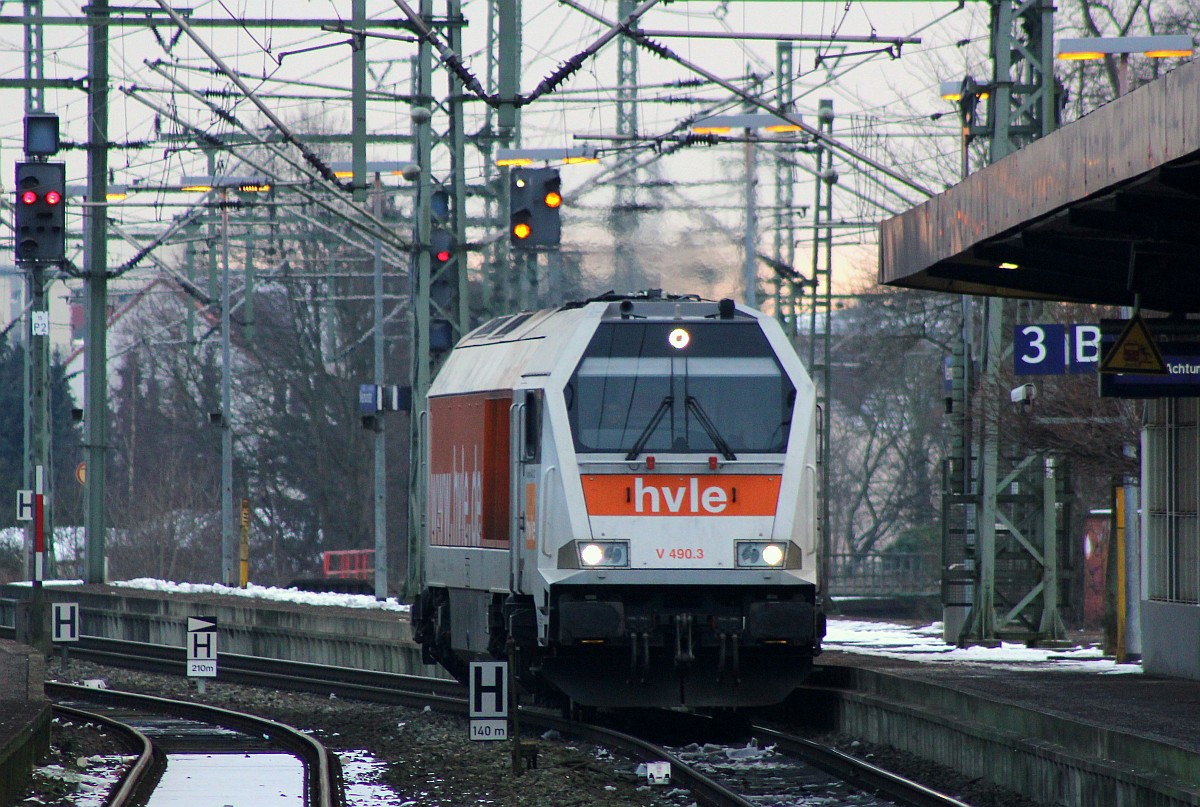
(532, 450)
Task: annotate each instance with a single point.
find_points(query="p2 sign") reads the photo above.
(1054, 349)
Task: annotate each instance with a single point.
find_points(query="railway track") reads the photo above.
(708, 784)
(773, 769)
(170, 733)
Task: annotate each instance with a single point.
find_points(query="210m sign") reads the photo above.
(1055, 349)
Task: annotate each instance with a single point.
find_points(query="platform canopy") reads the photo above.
(1102, 209)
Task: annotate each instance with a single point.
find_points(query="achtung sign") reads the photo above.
(1134, 351)
(1178, 345)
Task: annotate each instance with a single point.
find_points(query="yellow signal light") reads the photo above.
(522, 230)
(553, 199)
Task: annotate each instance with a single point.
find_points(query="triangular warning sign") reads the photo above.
(1134, 352)
(201, 624)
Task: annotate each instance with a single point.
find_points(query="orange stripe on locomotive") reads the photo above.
(674, 495)
(468, 470)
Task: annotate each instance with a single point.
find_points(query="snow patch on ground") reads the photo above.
(925, 644)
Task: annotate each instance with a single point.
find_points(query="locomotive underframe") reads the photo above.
(696, 645)
(637, 645)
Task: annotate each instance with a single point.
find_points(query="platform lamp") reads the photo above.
(224, 184)
(965, 95)
(564, 156)
(1102, 47)
(750, 123)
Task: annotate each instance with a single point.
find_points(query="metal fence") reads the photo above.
(886, 574)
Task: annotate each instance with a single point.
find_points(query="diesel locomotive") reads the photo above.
(623, 497)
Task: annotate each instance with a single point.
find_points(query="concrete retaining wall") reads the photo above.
(345, 637)
(1044, 757)
(24, 717)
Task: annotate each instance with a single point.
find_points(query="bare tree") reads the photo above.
(1093, 83)
(887, 440)
(301, 346)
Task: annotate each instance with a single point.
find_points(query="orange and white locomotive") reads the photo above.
(624, 493)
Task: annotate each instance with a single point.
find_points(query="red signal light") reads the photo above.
(444, 255)
(29, 197)
(53, 197)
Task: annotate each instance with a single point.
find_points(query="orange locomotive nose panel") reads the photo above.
(468, 470)
(687, 495)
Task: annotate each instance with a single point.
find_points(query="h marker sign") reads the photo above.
(202, 647)
(65, 622)
(489, 700)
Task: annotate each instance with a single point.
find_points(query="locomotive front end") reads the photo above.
(688, 572)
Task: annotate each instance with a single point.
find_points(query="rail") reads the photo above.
(137, 782)
(322, 768)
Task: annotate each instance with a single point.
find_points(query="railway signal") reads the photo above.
(443, 285)
(40, 217)
(535, 196)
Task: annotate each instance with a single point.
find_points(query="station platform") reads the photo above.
(1062, 727)
(24, 717)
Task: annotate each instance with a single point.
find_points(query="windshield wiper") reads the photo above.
(694, 407)
(650, 427)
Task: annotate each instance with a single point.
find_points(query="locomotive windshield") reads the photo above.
(680, 386)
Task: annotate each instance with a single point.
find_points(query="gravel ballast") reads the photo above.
(426, 758)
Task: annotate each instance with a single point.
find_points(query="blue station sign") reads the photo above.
(1055, 349)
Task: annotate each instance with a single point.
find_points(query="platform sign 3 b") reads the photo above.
(489, 700)
(1054, 349)
(202, 647)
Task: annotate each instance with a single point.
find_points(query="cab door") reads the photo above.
(527, 413)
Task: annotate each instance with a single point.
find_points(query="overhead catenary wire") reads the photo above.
(769, 106)
(309, 155)
(356, 217)
(549, 84)
(379, 229)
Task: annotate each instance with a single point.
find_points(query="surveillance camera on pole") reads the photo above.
(1024, 394)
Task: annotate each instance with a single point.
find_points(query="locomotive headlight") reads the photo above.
(679, 338)
(603, 553)
(760, 554)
